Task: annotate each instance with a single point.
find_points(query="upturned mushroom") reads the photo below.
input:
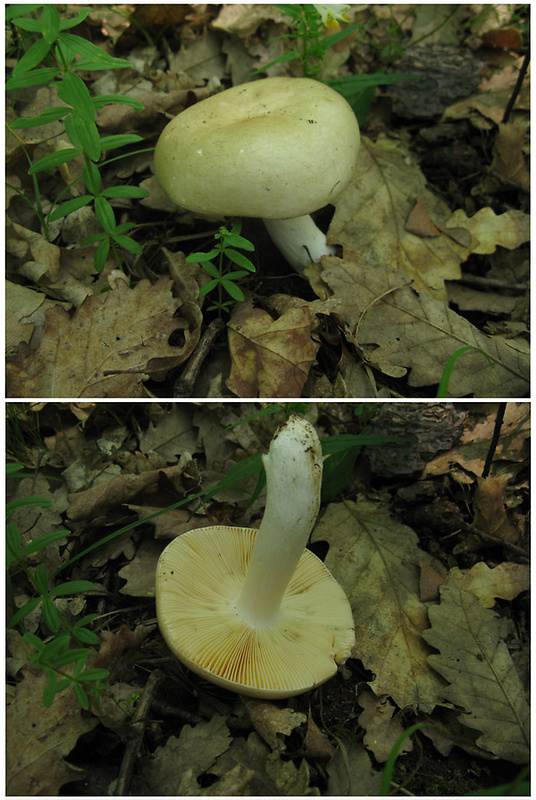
(277, 148)
(254, 611)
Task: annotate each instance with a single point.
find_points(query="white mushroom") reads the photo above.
(254, 611)
(277, 148)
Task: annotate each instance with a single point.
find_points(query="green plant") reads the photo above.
(221, 278)
(308, 24)
(443, 387)
(45, 39)
(63, 664)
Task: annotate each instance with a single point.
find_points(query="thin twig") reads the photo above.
(184, 385)
(137, 730)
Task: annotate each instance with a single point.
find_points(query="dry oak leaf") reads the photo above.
(506, 581)
(38, 738)
(118, 490)
(371, 216)
(488, 231)
(106, 349)
(398, 329)
(270, 358)
(376, 560)
(490, 514)
(482, 677)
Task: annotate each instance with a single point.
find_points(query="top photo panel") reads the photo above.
(267, 201)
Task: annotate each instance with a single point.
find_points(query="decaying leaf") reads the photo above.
(121, 489)
(196, 748)
(270, 358)
(139, 573)
(107, 348)
(376, 561)
(483, 680)
(40, 737)
(272, 722)
(381, 729)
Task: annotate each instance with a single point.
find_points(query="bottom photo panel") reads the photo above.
(267, 599)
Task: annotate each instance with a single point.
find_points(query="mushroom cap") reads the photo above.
(198, 578)
(275, 148)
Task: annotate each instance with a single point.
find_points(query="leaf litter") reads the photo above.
(436, 206)
(441, 632)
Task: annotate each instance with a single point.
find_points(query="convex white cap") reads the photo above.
(276, 148)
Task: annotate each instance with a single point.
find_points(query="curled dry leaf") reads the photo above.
(107, 348)
(270, 358)
(482, 677)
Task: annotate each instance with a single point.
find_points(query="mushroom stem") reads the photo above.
(293, 467)
(299, 240)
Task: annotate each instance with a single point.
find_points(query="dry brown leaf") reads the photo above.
(506, 581)
(350, 770)
(376, 561)
(119, 652)
(482, 678)
(21, 304)
(382, 730)
(270, 358)
(121, 489)
(107, 348)
(196, 748)
(488, 230)
(273, 723)
(139, 574)
(474, 445)
(172, 435)
(38, 738)
(399, 329)
(508, 159)
(489, 511)
(371, 215)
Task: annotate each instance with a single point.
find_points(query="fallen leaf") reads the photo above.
(196, 748)
(371, 215)
(139, 573)
(273, 723)
(471, 452)
(482, 678)
(107, 348)
(38, 739)
(381, 729)
(172, 435)
(506, 581)
(376, 561)
(398, 329)
(111, 494)
(270, 358)
(489, 512)
(350, 771)
(489, 230)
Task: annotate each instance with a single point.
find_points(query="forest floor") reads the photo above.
(431, 276)
(424, 524)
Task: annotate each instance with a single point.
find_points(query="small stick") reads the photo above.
(139, 721)
(185, 384)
